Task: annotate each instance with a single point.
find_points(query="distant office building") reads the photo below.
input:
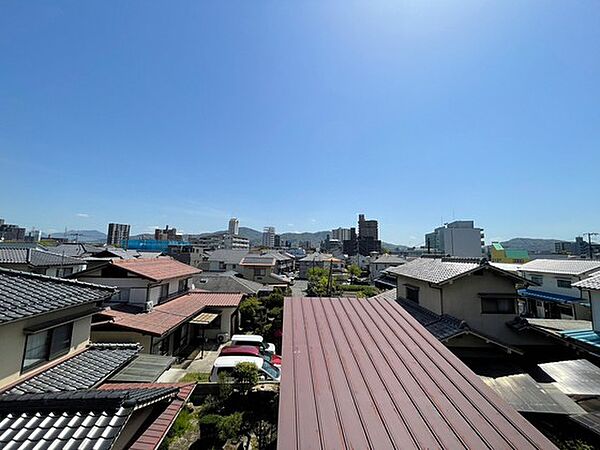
(117, 233)
(277, 241)
(350, 245)
(10, 232)
(218, 241)
(168, 234)
(458, 238)
(33, 236)
(268, 237)
(341, 234)
(578, 248)
(368, 236)
(234, 226)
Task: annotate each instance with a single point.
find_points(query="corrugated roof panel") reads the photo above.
(365, 374)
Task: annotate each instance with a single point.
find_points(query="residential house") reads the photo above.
(39, 260)
(469, 289)
(323, 260)
(284, 263)
(230, 282)
(500, 254)
(552, 294)
(379, 263)
(262, 269)
(174, 326)
(226, 260)
(43, 319)
(142, 283)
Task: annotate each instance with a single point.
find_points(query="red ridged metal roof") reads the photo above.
(156, 269)
(365, 374)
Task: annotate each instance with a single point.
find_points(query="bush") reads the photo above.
(229, 426)
(245, 375)
(209, 428)
(195, 377)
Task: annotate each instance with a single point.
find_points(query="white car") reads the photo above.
(225, 365)
(254, 340)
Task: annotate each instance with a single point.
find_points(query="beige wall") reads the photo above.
(461, 299)
(12, 341)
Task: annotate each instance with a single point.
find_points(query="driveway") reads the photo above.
(299, 288)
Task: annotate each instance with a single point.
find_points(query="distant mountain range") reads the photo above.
(532, 245)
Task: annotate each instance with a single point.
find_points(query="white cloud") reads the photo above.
(84, 215)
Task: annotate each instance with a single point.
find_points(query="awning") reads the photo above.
(577, 377)
(548, 297)
(204, 318)
(144, 369)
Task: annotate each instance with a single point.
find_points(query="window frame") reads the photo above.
(563, 280)
(497, 310)
(414, 290)
(49, 353)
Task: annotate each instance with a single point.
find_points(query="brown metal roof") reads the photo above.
(365, 374)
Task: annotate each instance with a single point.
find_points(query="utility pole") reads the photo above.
(589, 235)
(330, 278)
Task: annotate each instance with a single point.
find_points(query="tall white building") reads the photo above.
(234, 226)
(458, 238)
(268, 237)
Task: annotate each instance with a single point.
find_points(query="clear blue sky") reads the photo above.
(301, 115)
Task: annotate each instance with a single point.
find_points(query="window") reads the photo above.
(539, 279)
(67, 271)
(412, 293)
(47, 345)
(492, 305)
(183, 285)
(164, 291)
(260, 272)
(563, 283)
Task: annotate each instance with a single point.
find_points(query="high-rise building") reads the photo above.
(277, 241)
(234, 226)
(10, 232)
(117, 233)
(341, 234)
(268, 237)
(350, 245)
(458, 238)
(168, 234)
(368, 236)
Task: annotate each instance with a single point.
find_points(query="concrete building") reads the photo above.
(167, 234)
(220, 241)
(117, 233)
(459, 238)
(33, 236)
(341, 234)
(378, 264)
(268, 237)
(499, 254)
(580, 248)
(368, 236)
(9, 232)
(234, 226)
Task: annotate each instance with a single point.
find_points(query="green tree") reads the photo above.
(245, 376)
(354, 272)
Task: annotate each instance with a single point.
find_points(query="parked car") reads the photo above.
(254, 340)
(224, 365)
(250, 350)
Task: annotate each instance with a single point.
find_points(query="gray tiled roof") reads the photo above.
(35, 257)
(561, 266)
(441, 326)
(253, 260)
(590, 284)
(24, 294)
(74, 420)
(83, 371)
(317, 257)
(228, 256)
(389, 259)
(227, 282)
(436, 270)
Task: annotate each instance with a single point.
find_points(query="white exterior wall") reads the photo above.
(462, 242)
(594, 297)
(549, 283)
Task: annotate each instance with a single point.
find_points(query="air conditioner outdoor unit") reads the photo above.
(148, 306)
(222, 338)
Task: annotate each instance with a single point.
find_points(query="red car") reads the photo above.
(249, 350)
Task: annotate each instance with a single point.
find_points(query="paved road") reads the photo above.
(299, 288)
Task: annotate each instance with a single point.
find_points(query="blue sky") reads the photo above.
(301, 115)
